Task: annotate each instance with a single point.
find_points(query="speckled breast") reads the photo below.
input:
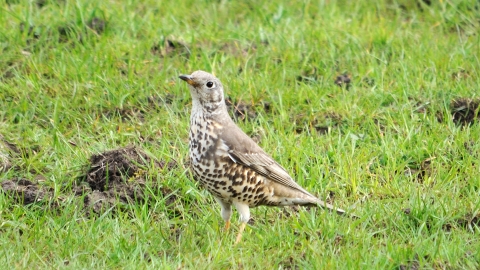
(219, 174)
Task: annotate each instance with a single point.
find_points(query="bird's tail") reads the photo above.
(334, 209)
(330, 207)
(314, 201)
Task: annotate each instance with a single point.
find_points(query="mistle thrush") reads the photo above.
(229, 164)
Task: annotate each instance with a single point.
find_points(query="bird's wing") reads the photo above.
(265, 166)
(243, 150)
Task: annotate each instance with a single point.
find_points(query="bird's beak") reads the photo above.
(188, 79)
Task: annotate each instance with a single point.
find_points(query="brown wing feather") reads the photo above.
(243, 150)
(266, 166)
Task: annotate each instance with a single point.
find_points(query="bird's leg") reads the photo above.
(240, 232)
(226, 212)
(227, 225)
(244, 211)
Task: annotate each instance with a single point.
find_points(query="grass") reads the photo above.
(70, 88)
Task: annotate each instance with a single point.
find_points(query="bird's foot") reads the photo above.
(240, 232)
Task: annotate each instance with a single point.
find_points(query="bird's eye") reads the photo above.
(210, 84)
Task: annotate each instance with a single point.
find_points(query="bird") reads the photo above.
(229, 164)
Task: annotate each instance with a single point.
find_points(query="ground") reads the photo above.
(371, 105)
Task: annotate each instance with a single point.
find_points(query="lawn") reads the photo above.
(370, 105)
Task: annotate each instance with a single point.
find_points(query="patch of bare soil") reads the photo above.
(113, 177)
(461, 74)
(343, 80)
(118, 176)
(420, 171)
(171, 47)
(68, 33)
(242, 111)
(469, 221)
(465, 111)
(413, 264)
(426, 2)
(98, 25)
(25, 192)
(320, 123)
(110, 169)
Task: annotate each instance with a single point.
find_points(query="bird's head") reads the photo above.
(206, 90)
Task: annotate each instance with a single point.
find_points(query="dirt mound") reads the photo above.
(343, 80)
(118, 176)
(111, 169)
(465, 111)
(112, 178)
